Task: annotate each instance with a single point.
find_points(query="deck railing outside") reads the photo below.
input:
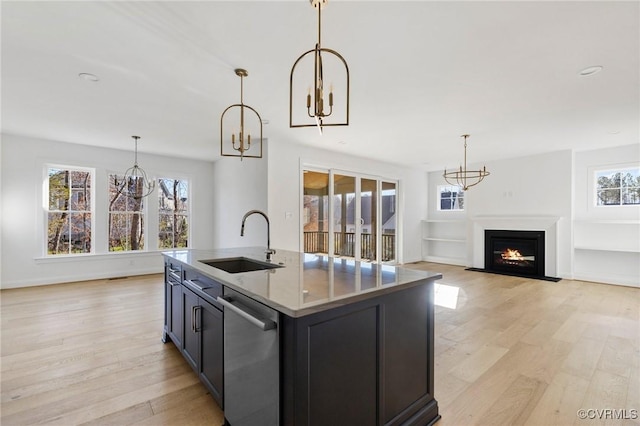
(344, 244)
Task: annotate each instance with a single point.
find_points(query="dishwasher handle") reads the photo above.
(262, 324)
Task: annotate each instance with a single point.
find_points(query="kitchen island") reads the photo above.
(316, 340)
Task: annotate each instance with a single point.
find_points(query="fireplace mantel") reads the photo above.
(549, 224)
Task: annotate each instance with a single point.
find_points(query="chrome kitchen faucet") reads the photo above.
(269, 250)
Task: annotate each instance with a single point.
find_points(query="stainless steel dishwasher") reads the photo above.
(251, 362)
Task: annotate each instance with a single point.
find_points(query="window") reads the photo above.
(618, 187)
(69, 225)
(173, 213)
(450, 197)
(126, 219)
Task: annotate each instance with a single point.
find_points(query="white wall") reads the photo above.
(23, 226)
(240, 186)
(285, 168)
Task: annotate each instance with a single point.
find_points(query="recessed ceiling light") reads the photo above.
(590, 70)
(89, 77)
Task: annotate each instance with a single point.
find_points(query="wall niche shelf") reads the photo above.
(445, 241)
(607, 245)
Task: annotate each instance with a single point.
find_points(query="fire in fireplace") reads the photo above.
(514, 252)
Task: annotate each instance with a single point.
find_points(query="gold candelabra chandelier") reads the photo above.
(463, 177)
(135, 183)
(238, 146)
(316, 99)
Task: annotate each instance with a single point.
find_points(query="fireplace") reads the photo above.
(518, 253)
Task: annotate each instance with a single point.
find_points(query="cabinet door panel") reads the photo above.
(175, 319)
(407, 340)
(190, 343)
(167, 312)
(343, 367)
(211, 354)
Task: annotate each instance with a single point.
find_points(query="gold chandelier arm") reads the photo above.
(464, 176)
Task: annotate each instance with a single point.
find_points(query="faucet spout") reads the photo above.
(269, 251)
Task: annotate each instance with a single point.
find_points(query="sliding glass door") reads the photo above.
(344, 215)
(368, 219)
(315, 211)
(388, 221)
(349, 215)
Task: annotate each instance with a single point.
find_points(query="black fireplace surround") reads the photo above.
(519, 253)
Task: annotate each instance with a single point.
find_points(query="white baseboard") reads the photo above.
(623, 280)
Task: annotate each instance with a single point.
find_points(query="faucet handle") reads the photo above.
(269, 252)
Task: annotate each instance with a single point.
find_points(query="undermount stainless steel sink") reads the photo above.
(236, 265)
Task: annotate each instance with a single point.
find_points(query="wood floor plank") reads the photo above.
(541, 333)
(516, 403)
(583, 358)
(617, 356)
(126, 416)
(548, 361)
(512, 335)
(571, 330)
(475, 366)
(560, 402)
(606, 391)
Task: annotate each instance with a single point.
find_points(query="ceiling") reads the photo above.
(422, 74)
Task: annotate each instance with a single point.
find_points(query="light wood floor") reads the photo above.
(513, 351)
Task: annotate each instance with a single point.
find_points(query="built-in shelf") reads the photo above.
(444, 241)
(450, 240)
(446, 260)
(607, 235)
(607, 221)
(602, 248)
(607, 245)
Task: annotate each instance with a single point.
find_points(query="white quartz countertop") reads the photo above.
(307, 283)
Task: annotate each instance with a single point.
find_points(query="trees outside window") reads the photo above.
(69, 225)
(126, 217)
(173, 213)
(618, 187)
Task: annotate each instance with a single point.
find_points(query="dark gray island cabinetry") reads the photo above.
(352, 341)
(195, 323)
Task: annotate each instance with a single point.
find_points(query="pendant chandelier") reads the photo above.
(317, 113)
(463, 177)
(135, 183)
(238, 146)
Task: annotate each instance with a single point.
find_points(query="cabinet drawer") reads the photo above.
(201, 282)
